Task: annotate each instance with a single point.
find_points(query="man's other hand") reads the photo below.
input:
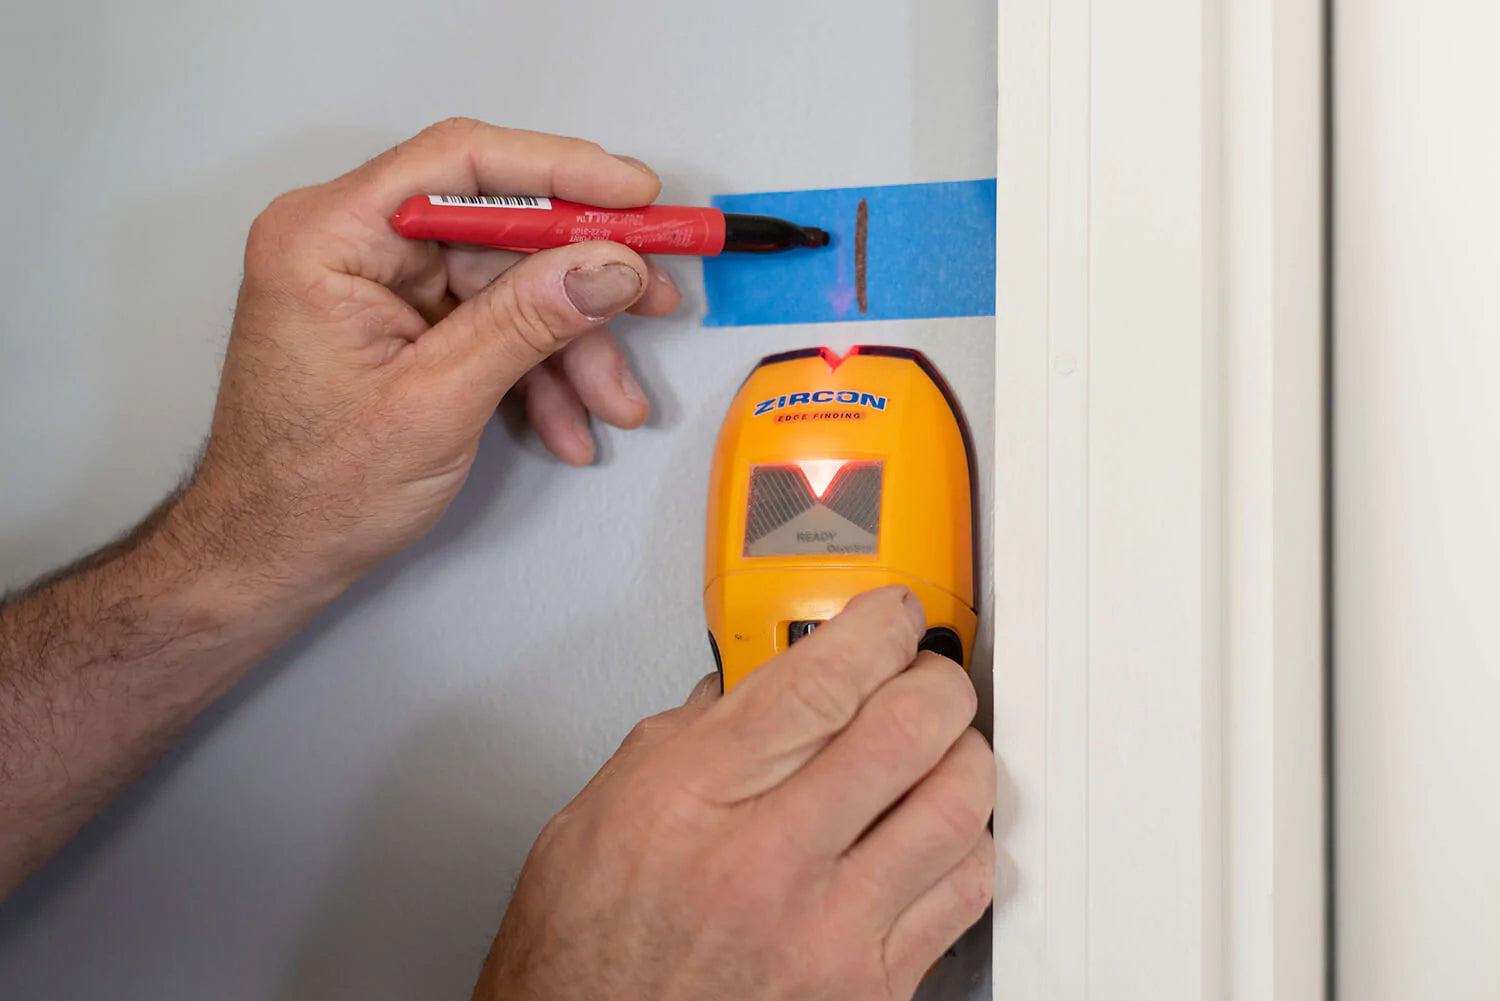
(818, 834)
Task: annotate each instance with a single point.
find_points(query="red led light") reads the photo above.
(820, 473)
(831, 358)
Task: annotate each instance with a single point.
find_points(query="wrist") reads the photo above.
(226, 571)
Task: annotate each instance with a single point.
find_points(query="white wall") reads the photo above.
(348, 824)
(1417, 485)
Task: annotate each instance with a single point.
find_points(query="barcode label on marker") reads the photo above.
(493, 201)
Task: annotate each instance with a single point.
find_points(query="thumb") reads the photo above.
(533, 309)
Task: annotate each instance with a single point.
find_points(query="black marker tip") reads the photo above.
(815, 237)
(759, 234)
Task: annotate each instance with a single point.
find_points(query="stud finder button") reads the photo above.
(944, 642)
(799, 630)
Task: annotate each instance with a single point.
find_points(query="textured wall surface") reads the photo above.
(348, 823)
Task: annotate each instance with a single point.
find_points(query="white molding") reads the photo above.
(1158, 502)
(1273, 137)
(1040, 914)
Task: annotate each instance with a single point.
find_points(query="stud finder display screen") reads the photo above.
(820, 507)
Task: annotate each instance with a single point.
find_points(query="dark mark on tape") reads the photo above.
(861, 236)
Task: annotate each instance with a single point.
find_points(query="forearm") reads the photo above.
(102, 664)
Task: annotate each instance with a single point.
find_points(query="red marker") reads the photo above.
(523, 222)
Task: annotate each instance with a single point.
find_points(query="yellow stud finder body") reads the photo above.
(833, 476)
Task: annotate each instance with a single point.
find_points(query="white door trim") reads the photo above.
(1158, 521)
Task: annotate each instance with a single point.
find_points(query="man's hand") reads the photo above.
(361, 370)
(818, 833)
(364, 366)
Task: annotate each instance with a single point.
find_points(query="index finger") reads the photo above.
(783, 713)
(462, 156)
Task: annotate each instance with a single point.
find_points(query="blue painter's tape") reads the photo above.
(929, 251)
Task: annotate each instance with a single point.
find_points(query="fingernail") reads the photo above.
(707, 686)
(630, 387)
(638, 165)
(912, 605)
(584, 437)
(660, 274)
(603, 291)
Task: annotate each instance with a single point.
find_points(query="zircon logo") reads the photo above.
(847, 397)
